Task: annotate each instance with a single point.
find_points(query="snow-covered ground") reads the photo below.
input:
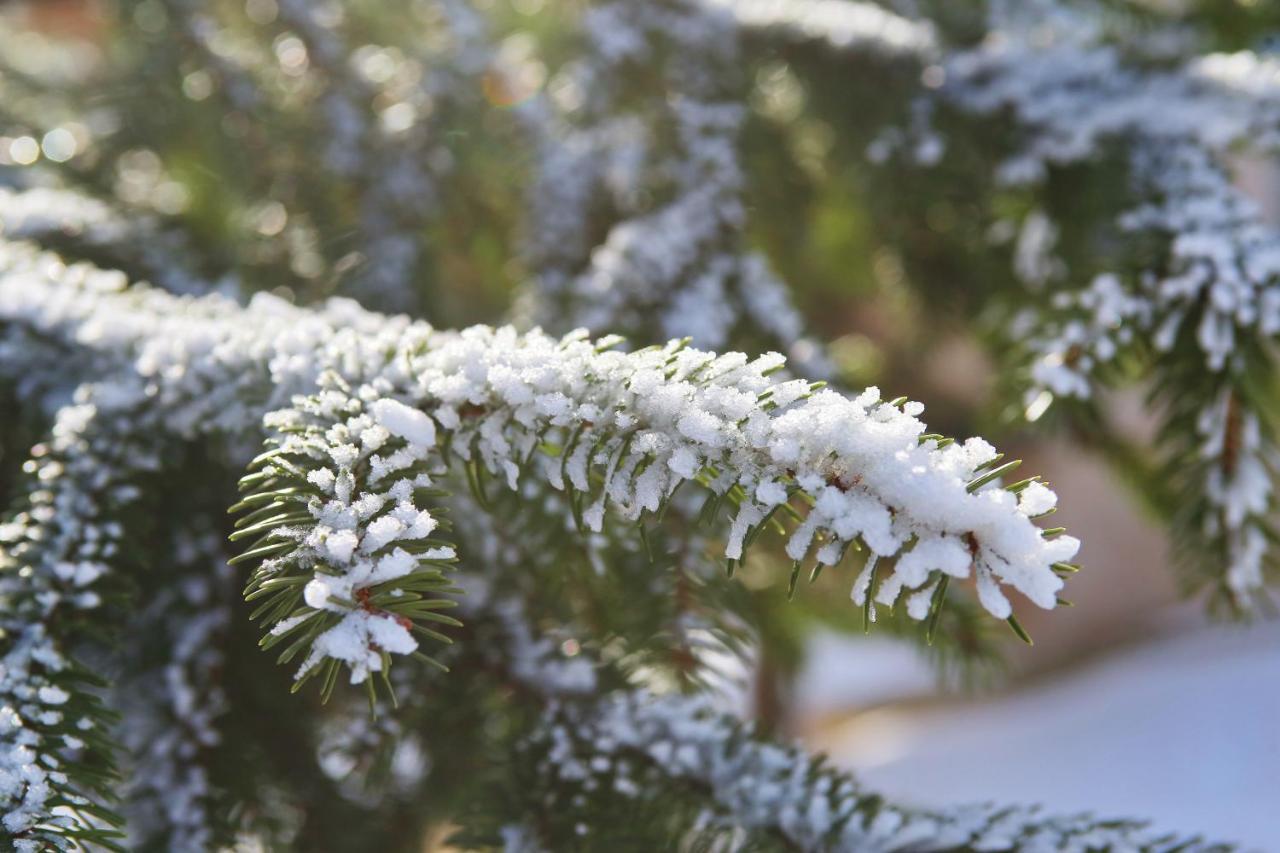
(1184, 730)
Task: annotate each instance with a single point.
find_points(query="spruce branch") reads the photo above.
(698, 775)
(1208, 302)
(342, 531)
(606, 428)
(1183, 280)
(624, 751)
(170, 700)
(57, 554)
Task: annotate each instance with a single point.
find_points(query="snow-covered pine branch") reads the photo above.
(873, 474)
(699, 773)
(341, 500)
(1215, 288)
(78, 225)
(1075, 84)
(57, 553)
(392, 402)
(635, 747)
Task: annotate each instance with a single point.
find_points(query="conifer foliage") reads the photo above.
(488, 570)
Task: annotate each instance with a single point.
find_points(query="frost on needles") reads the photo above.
(1211, 300)
(336, 498)
(352, 554)
(1184, 278)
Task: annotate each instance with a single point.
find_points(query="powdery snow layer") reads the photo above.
(1076, 85)
(642, 421)
(563, 410)
(638, 742)
(841, 24)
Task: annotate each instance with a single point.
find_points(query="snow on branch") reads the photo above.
(840, 24)
(633, 744)
(56, 555)
(64, 220)
(622, 430)
(1076, 87)
(338, 499)
(1215, 288)
(216, 366)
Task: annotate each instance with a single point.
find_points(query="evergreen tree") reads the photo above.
(487, 569)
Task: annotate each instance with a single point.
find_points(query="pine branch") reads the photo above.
(696, 774)
(1207, 301)
(338, 508)
(607, 428)
(170, 700)
(81, 227)
(59, 549)
(622, 752)
(1184, 278)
